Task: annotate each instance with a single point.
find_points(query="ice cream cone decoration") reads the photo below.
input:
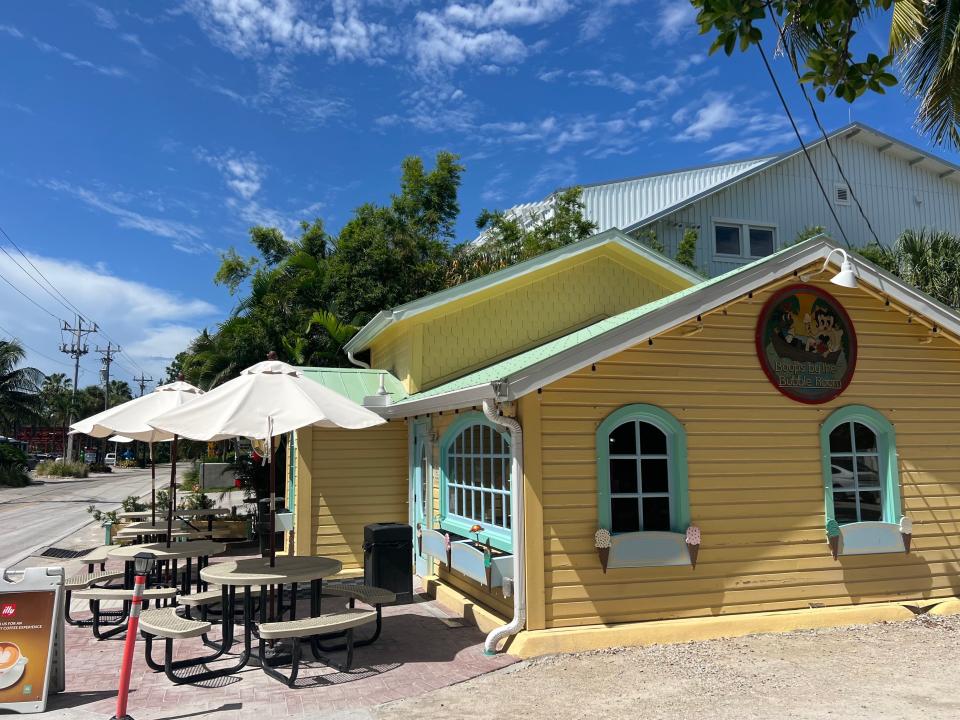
(446, 546)
(833, 537)
(419, 540)
(602, 542)
(906, 532)
(693, 544)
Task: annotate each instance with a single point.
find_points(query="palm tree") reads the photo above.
(19, 388)
(925, 37)
(927, 259)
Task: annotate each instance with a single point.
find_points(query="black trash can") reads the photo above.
(388, 558)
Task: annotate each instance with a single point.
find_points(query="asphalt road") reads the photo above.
(40, 514)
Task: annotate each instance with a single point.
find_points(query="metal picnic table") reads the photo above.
(249, 573)
(199, 549)
(142, 530)
(183, 514)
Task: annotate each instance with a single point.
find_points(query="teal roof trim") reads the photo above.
(517, 363)
(355, 383)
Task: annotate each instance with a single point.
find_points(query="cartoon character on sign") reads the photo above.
(12, 663)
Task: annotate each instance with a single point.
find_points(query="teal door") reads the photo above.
(421, 493)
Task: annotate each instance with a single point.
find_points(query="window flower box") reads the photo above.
(467, 558)
(868, 538)
(433, 544)
(648, 549)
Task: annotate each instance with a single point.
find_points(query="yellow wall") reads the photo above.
(462, 335)
(754, 474)
(356, 477)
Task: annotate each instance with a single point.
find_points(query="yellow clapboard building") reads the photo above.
(598, 447)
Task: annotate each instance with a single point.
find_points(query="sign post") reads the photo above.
(31, 632)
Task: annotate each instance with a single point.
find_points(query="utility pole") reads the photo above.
(76, 349)
(108, 352)
(142, 382)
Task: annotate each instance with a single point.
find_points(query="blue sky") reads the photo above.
(140, 140)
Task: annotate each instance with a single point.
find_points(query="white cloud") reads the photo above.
(104, 17)
(76, 61)
(552, 176)
(507, 12)
(595, 78)
(600, 17)
(677, 17)
(278, 94)
(250, 28)
(717, 114)
(753, 145)
(151, 324)
(242, 173)
(186, 237)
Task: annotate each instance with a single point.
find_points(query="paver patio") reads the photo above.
(422, 648)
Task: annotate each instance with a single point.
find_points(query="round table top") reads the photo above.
(208, 512)
(257, 571)
(176, 534)
(146, 527)
(195, 548)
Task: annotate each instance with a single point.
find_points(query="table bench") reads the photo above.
(98, 595)
(166, 623)
(83, 581)
(335, 623)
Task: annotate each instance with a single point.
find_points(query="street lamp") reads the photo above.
(144, 562)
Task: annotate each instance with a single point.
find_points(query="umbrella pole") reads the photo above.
(153, 487)
(273, 505)
(173, 488)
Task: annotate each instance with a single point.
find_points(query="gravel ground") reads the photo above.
(888, 670)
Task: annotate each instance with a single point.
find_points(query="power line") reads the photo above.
(823, 132)
(13, 336)
(30, 299)
(803, 145)
(65, 302)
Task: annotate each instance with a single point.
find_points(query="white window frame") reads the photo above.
(744, 226)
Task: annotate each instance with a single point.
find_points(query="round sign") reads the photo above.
(806, 344)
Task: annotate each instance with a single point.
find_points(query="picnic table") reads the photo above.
(201, 550)
(249, 573)
(184, 514)
(142, 530)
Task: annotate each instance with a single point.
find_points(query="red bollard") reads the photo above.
(129, 645)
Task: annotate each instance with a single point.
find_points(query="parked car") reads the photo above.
(110, 459)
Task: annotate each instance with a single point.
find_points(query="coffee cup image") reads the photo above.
(12, 664)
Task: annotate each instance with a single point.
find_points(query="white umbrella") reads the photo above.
(268, 399)
(131, 420)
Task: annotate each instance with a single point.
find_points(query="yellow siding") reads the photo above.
(462, 335)
(358, 477)
(754, 473)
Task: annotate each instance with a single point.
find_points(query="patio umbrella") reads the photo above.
(268, 399)
(130, 420)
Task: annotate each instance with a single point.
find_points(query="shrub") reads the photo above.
(100, 468)
(13, 476)
(103, 517)
(197, 501)
(129, 463)
(63, 468)
(163, 499)
(191, 479)
(132, 503)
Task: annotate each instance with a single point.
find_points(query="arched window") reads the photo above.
(475, 480)
(861, 483)
(642, 471)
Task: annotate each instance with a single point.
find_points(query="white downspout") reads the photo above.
(516, 509)
(358, 363)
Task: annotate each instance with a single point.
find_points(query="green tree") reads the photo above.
(57, 402)
(927, 259)
(509, 239)
(19, 388)
(687, 248)
(819, 34)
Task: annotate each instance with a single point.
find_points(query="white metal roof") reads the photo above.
(634, 202)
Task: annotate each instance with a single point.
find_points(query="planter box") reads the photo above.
(231, 529)
(868, 538)
(467, 559)
(648, 549)
(432, 544)
(216, 475)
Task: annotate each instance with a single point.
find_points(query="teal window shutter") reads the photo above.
(642, 460)
(859, 461)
